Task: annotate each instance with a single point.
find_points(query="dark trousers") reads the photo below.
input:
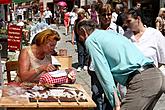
(83, 56)
(98, 95)
(47, 21)
(19, 17)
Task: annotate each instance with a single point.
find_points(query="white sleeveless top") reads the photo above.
(35, 63)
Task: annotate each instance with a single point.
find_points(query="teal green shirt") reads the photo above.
(114, 57)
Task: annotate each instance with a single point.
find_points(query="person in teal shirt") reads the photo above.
(115, 58)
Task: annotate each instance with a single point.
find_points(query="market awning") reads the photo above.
(5, 1)
(21, 1)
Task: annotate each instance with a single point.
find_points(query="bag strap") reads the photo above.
(117, 28)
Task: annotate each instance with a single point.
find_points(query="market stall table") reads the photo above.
(23, 103)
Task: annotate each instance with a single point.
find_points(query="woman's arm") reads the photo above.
(25, 73)
(157, 23)
(73, 33)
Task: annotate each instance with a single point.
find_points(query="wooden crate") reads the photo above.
(65, 61)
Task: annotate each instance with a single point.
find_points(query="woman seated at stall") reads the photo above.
(35, 60)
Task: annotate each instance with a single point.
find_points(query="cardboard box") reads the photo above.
(65, 61)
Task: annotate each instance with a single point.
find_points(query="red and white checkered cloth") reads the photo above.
(48, 79)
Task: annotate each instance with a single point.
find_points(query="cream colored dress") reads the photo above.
(35, 63)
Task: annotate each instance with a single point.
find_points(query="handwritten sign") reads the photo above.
(14, 37)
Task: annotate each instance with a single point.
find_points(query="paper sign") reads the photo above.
(14, 37)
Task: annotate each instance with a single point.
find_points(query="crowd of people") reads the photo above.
(117, 60)
(121, 54)
(111, 68)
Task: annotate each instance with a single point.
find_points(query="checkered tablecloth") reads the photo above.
(48, 79)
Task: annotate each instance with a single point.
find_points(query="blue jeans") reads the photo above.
(83, 56)
(72, 27)
(98, 95)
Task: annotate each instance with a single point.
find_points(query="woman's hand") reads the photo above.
(72, 41)
(116, 108)
(71, 74)
(49, 67)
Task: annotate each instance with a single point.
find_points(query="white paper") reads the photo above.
(56, 92)
(55, 61)
(58, 73)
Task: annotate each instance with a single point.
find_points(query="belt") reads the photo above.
(138, 71)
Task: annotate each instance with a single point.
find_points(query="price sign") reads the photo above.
(14, 37)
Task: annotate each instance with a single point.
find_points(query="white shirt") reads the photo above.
(47, 14)
(114, 17)
(20, 11)
(20, 23)
(114, 27)
(152, 45)
(73, 17)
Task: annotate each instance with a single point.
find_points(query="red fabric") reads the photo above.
(5, 1)
(67, 19)
(48, 79)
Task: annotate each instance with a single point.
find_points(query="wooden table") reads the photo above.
(19, 103)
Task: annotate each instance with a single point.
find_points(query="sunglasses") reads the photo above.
(106, 14)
